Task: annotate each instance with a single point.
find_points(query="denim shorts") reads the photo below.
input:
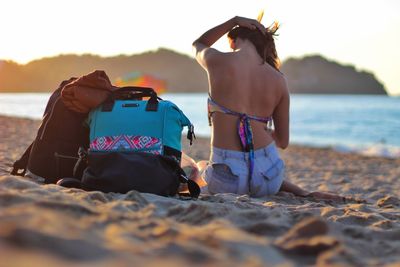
(228, 172)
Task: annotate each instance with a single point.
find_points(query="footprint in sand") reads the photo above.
(388, 202)
(308, 237)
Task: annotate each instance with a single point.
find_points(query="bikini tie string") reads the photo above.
(246, 139)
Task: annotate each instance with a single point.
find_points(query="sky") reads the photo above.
(363, 33)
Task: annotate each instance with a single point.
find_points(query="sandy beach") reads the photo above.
(48, 225)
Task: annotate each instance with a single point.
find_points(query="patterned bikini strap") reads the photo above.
(215, 107)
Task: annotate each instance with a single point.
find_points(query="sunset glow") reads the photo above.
(361, 33)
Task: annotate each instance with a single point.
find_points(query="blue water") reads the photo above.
(365, 124)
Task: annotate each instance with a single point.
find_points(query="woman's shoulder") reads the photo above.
(274, 75)
(217, 59)
(282, 80)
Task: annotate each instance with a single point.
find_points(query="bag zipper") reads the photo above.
(64, 156)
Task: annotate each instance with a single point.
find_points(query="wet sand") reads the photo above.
(48, 225)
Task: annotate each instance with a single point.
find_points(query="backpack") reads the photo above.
(54, 152)
(135, 144)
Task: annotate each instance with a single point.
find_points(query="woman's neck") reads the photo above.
(247, 49)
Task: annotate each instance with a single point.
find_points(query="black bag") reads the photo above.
(144, 172)
(122, 172)
(54, 152)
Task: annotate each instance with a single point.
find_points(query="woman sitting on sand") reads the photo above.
(247, 92)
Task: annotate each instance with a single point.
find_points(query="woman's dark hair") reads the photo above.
(264, 44)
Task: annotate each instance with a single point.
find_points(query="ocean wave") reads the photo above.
(370, 150)
(379, 150)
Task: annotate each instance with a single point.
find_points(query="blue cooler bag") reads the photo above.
(135, 144)
(125, 122)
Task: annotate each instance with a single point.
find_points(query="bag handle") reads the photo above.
(134, 92)
(147, 91)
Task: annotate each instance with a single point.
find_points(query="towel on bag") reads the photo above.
(87, 92)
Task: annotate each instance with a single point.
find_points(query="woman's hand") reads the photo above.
(250, 23)
(298, 191)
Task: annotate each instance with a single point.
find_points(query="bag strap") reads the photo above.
(132, 92)
(81, 164)
(193, 187)
(190, 134)
(22, 163)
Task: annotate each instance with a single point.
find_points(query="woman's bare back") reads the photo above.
(247, 86)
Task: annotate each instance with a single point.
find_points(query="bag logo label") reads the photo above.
(130, 105)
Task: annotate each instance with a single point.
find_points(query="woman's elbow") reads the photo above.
(282, 144)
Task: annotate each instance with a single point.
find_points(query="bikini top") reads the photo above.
(243, 128)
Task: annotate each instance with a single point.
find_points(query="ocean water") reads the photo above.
(364, 124)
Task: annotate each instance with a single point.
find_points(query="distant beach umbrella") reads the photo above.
(137, 78)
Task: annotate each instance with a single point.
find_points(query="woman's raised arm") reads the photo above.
(202, 45)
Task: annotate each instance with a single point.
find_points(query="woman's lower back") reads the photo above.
(225, 133)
